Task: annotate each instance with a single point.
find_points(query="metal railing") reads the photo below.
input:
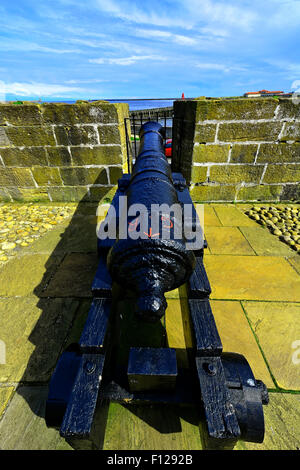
(136, 120)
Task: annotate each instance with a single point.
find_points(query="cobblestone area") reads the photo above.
(22, 225)
(284, 222)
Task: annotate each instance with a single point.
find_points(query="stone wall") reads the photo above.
(238, 149)
(61, 152)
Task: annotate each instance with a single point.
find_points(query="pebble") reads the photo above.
(283, 222)
(21, 225)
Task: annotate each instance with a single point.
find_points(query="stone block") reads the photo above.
(210, 153)
(115, 173)
(4, 140)
(235, 109)
(4, 195)
(242, 131)
(259, 192)
(278, 153)
(229, 174)
(30, 136)
(24, 157)
(20, 115)
(16, 177)
(101, 155)
(291, 192)
(288, 109)
(205, 133)
(199, 174)
(83, 176)
(47, 176)
(58, 156)
(109, 134)
(243, 153)
(286, 173)
(68, 193)
(291, 132)
(29, 194)
(80, 113)
(76, 135)
(214, 192)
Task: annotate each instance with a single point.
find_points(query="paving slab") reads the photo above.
(232, 216)
(210, 216)
(74, 276)
(23, 426)
(227, 241)
(26, 274)
(282, 424)
(252, 278)
(5, 395)
(177, 326)
(236, 336)
(265, 243)
(33, 331)
(295, 262)
(158, 427)
(277, 327)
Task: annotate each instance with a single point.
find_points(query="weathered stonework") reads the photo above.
(238, 149)
(61, 152)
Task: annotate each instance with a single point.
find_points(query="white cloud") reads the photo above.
(35, 89)
(18, 45)
(125, 60)
(166, 35)
(220, 67)
(91, 80)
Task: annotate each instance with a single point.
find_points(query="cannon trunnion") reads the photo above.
(146, 257)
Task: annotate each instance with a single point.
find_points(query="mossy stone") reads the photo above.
(242, 131)
(30, 136)
(199, 174)
(259, 192)
(114, 174)
(47, 176)
(235, 109)
(236, 174)
(24, 157)
(291, 132)
(59, 156)
(83, 176)
(281, 152)
(76, 135)
(205, 133)
(210, 153)
(26, 115)
(282, 173)
(101, 155)
(243, 153)
(85, 113)
(109, 134)
(208, 193)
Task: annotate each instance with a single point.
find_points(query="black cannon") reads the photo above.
(156, 247)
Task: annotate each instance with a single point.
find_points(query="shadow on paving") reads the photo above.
(64, 298)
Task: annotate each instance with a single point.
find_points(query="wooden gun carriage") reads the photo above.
(149, 265)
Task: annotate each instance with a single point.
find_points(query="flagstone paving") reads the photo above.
(45, 298)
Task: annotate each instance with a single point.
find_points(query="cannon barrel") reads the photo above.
(158, 260)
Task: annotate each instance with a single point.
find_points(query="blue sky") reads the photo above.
(75, 49)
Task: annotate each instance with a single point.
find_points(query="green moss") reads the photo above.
(74, 135)
(59, 156)
(109, 134)
(243, 153)
(206, 193)
(24, 157)
(199, 174)
(236, 174)
(205, 133)
(240, 131)
(30, 136)
(259, 192)
(281, 153)
(22, 115)
(235, 109)
(110, 155)
(282, 174)
(47, 176)
(210, 153)
(86, 113)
